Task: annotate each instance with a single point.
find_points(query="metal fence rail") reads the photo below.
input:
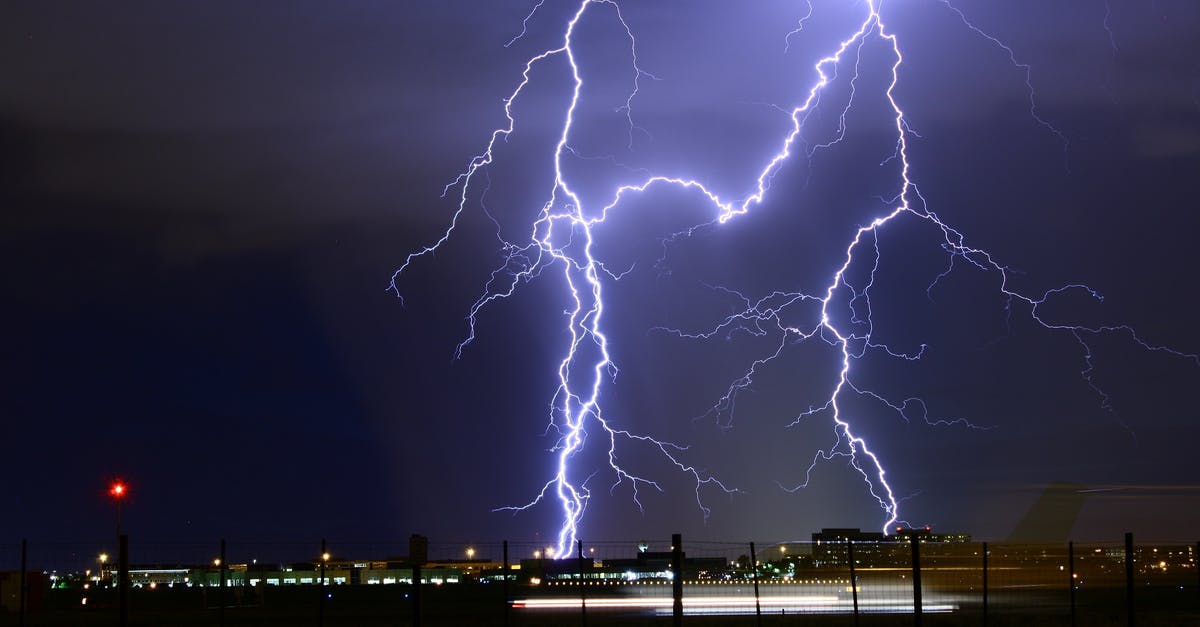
(905, 580)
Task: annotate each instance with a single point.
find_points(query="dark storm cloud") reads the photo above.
(1168, 140)
(265, 120)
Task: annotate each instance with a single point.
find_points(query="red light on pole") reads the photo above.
(118, 490)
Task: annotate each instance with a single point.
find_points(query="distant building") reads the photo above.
(926, 534)
(871, 548)
(830, 550)
(646, 566)
(950, 537)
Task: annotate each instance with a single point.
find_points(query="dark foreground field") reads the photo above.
(466, 604)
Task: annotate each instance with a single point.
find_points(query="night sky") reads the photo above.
(204, 203)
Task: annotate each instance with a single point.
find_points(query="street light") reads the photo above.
(470, 553)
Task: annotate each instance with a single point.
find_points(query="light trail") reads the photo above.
(715, 605)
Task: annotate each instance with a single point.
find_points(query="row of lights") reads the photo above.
(103, 559)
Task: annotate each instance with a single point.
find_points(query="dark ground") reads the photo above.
(482, 605)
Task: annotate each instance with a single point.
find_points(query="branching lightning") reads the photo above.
(562, 238)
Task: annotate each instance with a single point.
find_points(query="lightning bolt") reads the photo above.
(562, 238)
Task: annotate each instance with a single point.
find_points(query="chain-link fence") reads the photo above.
(893, 580)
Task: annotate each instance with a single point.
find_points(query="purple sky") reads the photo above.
(204, 204)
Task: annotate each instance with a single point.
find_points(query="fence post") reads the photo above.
(677, 579)
(1071, 577)
(985, 584)
(221, 587)
(321, 587)
(916, 577)
(245, 585)
(1129, 579)
(418, 553)
(582, 599)
(504, 583)
(245, 593)
(123, 579)
(262, 585)
(417, 593)
(24, 586)
(853, 577)
(757, 606)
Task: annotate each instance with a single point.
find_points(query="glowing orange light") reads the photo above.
(118, 489)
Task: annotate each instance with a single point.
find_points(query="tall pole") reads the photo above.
(245, 585)
(1129, 579)
(1071, 577)
(221, 588)
(853, 578)
(916, 577)
(24, 589)
(123, 579)
(677, 579)
(504, 584)
(416, 595)
(985, 584)
(757, 605)
(321, 605)
(117, 490)
(582, 600)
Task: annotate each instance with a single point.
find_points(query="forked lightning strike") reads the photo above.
(562, 237)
